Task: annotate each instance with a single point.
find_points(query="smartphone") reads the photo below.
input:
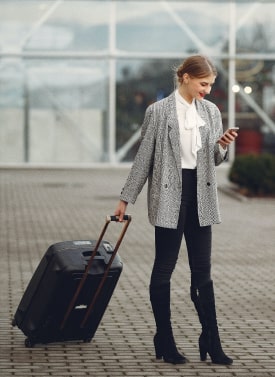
(233, 129)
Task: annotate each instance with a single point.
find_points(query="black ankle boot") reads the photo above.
(209, 341)
(166, 349)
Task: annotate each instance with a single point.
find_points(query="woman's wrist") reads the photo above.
(223, 145)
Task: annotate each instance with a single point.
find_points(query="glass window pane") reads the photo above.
(54, 25)
(62, 112)
(171, 26)
(68, 105)
(12, 110)
(255, 27)
(255, 106)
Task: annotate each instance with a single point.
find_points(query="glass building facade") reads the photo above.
(77, 76)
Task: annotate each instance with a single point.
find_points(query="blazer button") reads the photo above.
(208, 184)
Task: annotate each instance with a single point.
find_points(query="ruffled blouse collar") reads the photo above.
(192, 121)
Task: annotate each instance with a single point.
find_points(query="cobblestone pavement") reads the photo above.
(39, 207)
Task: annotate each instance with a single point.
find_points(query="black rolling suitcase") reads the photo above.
(70, 290)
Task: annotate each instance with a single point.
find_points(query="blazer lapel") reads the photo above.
(173, 131)
(202, 130)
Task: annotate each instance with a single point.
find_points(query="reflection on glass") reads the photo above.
(172, 26)
(255, 27)
(63, 111)
(54, 25)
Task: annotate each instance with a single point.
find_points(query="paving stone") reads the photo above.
(41, 207)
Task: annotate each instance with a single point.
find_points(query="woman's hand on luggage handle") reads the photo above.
(121, 210)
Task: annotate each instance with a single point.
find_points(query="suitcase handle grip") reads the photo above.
(116, 218)
(127, 221)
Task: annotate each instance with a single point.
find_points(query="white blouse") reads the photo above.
(190, 138)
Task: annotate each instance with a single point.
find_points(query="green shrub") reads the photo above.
(254, 174)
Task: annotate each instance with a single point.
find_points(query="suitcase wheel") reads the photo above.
(13, 323)
(29, 343)
(87, 340)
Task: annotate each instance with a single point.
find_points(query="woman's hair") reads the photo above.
(197, 66)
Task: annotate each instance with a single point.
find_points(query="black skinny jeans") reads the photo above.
(198, 241)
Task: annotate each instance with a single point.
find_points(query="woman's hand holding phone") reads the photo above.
(229, 136)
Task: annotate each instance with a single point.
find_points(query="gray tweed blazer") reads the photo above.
(158, 160)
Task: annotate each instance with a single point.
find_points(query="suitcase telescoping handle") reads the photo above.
(127, 219)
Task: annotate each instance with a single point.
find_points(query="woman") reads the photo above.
(182, 140)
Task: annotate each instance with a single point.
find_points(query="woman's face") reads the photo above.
(197, 88)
